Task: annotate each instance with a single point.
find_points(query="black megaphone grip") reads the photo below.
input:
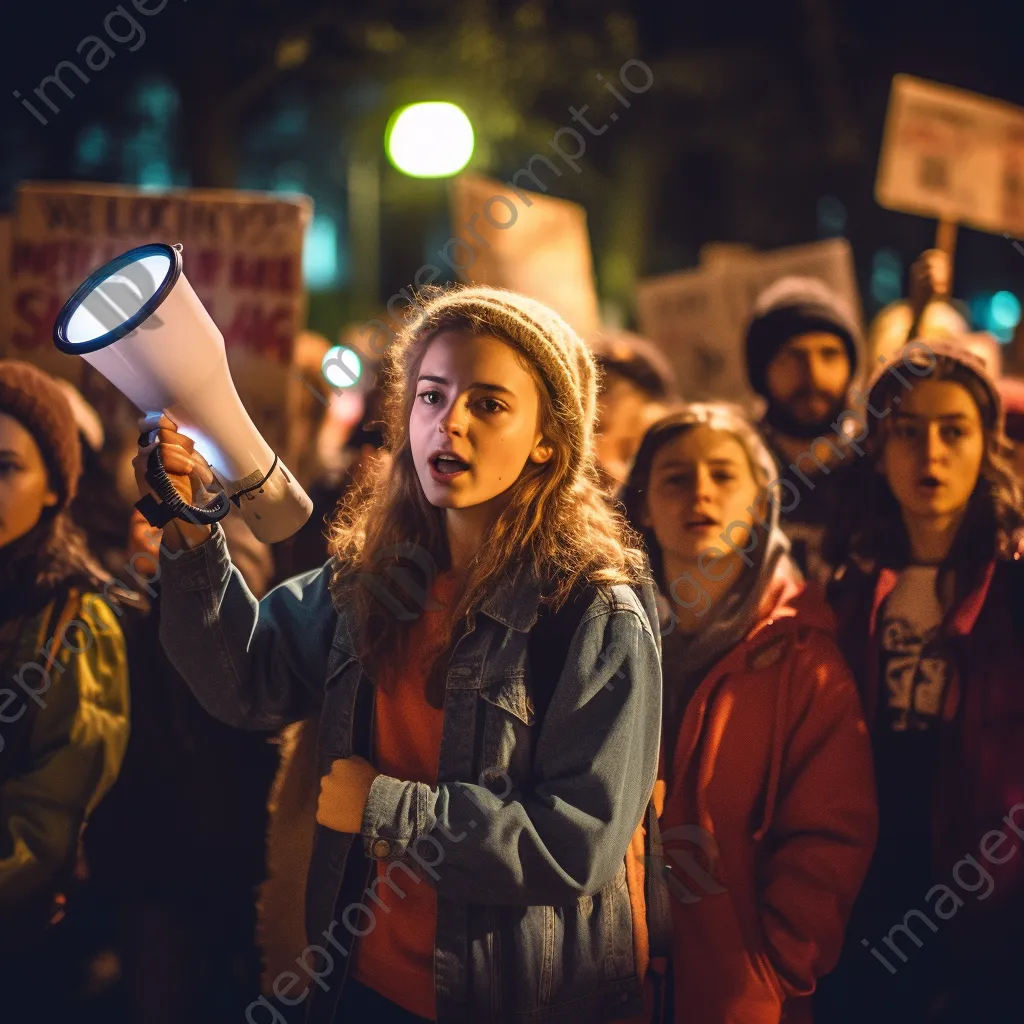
(173, 506)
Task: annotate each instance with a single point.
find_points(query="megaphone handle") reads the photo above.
(171, 504)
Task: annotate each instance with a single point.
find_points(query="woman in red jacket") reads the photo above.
(769, 817)
(930, 602)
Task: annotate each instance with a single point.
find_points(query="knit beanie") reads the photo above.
(915, 361)
(35, 400)
(560, 355)
(792, 306)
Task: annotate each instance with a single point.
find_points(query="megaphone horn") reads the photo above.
(176, 363)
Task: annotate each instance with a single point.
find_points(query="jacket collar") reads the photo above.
(965, 615)
(960, 619)
(515, 600)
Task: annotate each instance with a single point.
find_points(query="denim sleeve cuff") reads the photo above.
(393, 817)
(196, 569)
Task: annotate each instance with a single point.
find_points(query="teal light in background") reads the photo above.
(291, 177)
(158, 100)
(146, 156)
(341, 367)
(979, 306)
(831, 217)
(290, 121)
(92, 148)
(320, 254)
(1004, 315)
(155, 174)
(886, 276)
(999, 314)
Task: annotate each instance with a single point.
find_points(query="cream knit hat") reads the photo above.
(560, 355)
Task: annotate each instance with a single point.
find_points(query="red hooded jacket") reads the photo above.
(769, 820)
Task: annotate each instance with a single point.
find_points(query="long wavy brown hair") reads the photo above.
(556, 528)
(869, 529)
(44, 563)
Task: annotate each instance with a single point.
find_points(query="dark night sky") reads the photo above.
(979, 46)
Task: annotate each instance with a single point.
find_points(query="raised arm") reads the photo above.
(252, 664)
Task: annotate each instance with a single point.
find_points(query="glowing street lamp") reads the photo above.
(429, 140)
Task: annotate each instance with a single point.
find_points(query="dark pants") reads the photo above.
(934, 986)
(361, 1005)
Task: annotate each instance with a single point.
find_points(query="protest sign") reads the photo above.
(953, 155)
(529, 243)
(242, 255)
(699, 317)
(685, 314)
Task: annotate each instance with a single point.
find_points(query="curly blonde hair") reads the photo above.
(557, 527)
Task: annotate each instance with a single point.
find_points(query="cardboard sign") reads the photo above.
(953, 155)
(242, 255)
(685, 315)
(699, 317)
(529, 243)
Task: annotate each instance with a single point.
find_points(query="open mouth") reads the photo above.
(701, 523)
(447, 465)
(929, 482)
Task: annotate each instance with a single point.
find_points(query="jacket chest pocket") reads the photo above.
(508, 724)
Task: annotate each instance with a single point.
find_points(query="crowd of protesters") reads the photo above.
(709, 713)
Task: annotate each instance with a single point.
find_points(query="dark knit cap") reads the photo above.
(792, 306)
(38, 404)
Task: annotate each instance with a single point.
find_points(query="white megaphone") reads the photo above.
(139, 323)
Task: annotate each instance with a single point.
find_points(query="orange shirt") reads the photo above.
(396, 959)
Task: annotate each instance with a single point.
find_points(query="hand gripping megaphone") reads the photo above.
(140, 324)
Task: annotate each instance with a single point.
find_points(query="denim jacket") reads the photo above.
(525, 834)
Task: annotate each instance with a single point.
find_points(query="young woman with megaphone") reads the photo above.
(470, 860)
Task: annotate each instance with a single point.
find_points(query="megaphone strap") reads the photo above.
(237, 496)
(155, 513)
(171, 504)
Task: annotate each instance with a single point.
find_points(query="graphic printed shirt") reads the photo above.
(915, 671)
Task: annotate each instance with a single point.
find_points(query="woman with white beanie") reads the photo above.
(479, 791)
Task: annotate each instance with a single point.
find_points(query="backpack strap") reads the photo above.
(547, 651)
(548, 645)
